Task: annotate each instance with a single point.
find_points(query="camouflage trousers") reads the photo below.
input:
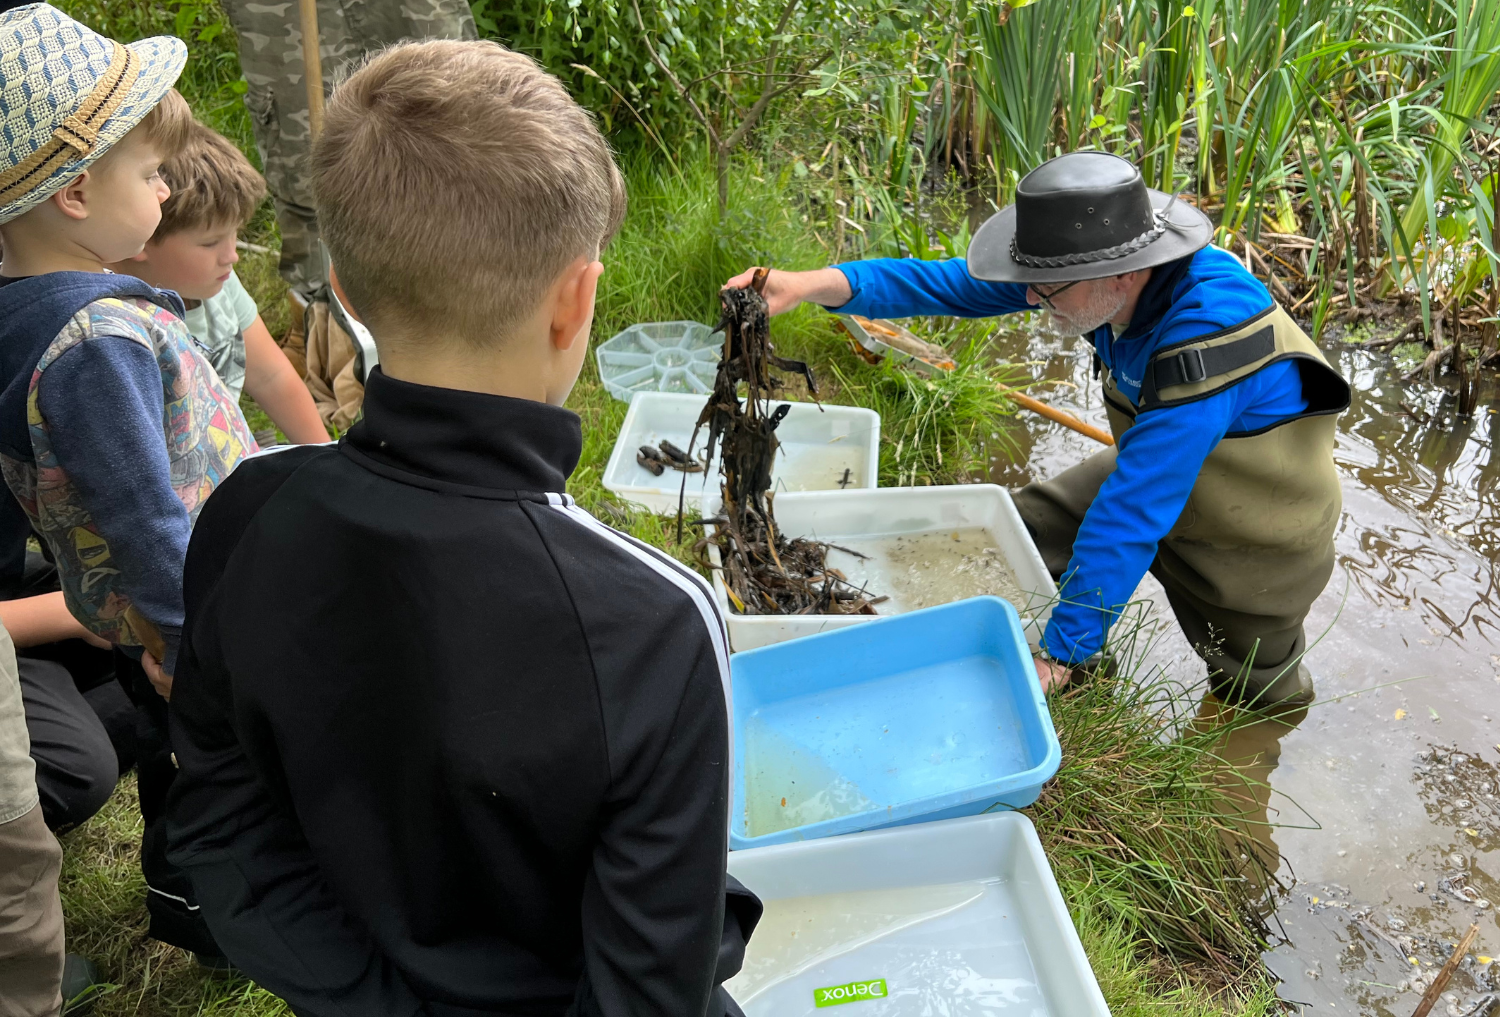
(270, 38)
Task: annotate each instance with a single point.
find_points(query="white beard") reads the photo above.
(1101, 308)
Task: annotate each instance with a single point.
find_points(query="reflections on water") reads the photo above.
(1406, 443)
(1440, 474)
(1395, 766)
(1250, 747)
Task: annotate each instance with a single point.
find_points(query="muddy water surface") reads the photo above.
(1385, 791)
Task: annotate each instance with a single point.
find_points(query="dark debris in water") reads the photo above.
(1396, 955)
(1461, 790)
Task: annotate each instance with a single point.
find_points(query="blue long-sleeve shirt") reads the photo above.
(1160, 457)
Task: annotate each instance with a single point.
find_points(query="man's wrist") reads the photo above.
(830, 287)
(1042, 654)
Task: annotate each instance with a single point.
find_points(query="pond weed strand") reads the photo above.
(765, 572)
(954, 949)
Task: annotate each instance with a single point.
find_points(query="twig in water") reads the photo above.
(1430, 997)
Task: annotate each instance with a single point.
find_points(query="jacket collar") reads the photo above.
(1156, 297)
(466, 439)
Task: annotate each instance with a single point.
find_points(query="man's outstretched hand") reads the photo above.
(1052, 674)
(785, 290)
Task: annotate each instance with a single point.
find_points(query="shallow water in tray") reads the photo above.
(800, 465)
(918, 570)
(787, 786)
(806, 466)
(1388, 787)
(954, 949)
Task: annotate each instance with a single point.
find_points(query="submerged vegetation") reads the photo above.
(1346, 150)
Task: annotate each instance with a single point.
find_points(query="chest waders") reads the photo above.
(1253, 547)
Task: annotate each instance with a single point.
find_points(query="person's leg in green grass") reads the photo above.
(33, 965)
(270, 43)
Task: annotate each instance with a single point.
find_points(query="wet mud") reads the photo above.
(1384, 796)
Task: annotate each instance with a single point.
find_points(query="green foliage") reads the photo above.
(1132, 986)
(1284, 101)
(1026, 57)
(713, 47)
(1140, 817)
(211, 82)
(942, 429)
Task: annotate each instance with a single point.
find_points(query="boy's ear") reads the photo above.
(72, 200)
(574, 307)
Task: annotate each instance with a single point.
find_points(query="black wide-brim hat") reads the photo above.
(1085, 215)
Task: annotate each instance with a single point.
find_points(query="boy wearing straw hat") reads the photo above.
(113, 427)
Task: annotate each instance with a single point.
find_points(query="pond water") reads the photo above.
(1385, 790)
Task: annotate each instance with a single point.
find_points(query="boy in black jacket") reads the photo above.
(448, 745)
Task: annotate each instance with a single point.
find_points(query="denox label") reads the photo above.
(852, 992)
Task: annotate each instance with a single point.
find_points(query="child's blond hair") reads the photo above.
(455, 181)
(213, 184)
(166, 126)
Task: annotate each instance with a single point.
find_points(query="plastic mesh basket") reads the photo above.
(660, 356)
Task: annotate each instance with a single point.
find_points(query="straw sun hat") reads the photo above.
(67, 95)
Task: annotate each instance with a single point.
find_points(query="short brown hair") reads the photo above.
(166, 124)
(212, 184)
(455, 181)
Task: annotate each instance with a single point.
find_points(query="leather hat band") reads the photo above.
(1087, 257)
(76, 136)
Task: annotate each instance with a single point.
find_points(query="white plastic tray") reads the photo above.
(858, 519)
(817, 446)
(961, 917)
(660, 356)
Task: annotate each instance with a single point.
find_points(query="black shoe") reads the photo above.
(216, 965)
(80, 984)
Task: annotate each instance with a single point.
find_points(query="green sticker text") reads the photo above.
(853, 992)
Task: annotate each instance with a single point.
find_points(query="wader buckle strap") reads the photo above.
(1195, 365)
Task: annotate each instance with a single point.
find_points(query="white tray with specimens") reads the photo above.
(960, 917)
(921, 546)
(822, 448)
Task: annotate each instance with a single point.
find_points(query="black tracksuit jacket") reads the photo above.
(449, 745)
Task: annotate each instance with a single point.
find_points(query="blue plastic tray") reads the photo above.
(921, 716)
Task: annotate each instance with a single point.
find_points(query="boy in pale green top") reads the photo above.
(215, 190)
(222, 323)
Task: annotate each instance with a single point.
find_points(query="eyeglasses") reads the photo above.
(1046, 298)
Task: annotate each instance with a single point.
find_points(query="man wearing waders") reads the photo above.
(1221, 483)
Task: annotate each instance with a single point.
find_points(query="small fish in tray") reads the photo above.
(878, 337)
